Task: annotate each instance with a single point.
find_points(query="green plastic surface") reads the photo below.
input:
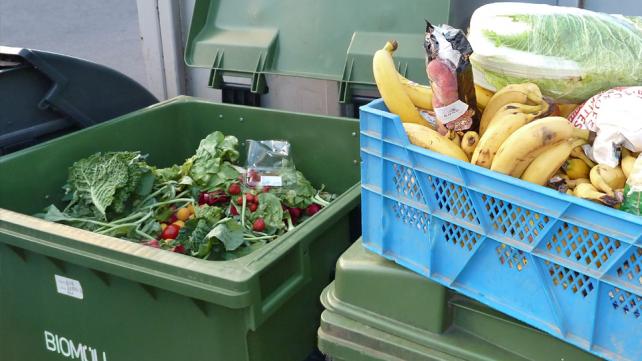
(376, 310)
(329, 39)
(141, 303)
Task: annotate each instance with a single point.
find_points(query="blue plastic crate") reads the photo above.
(568, 266)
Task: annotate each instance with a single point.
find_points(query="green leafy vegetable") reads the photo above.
(229, 233)
(571, 54)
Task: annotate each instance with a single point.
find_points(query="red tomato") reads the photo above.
(170, 232)
(253, 207)
(250, 198)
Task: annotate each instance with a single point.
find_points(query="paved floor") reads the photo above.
(105, 32)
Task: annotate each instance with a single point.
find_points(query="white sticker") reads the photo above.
(271, 181)
(69, 287)
(451, 112)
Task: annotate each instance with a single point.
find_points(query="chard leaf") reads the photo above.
(229, 233)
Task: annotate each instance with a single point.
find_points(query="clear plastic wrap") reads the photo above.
(571, 54)
(268, 164)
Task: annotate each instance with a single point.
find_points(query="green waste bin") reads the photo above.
(376, 310)
(66, 293)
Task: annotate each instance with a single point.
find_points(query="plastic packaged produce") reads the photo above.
(571, 54)
(614, 115)
(450, 73)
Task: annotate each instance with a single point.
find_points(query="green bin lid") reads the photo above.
(378, 310)
(329, 39)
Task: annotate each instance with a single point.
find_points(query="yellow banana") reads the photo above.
(469, 142)
(527, 93)
(588, 191)
(393, 94)
(483, 96)
(572, 183)
(607, 179)
(428, 138)
(627, 164)
(454, 137)
(576, 168)
(420, 95)
(549, 162)
(527, 142)
(579, 153)
(510, 118)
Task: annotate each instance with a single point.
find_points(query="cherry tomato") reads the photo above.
(258, 225)
(182, 214)
(234, 189)
(179, 223)
(266, 189)
(170, 232)
(253, 207)
(234, 211)
(250, 198)
(190, 208)
(239, 200)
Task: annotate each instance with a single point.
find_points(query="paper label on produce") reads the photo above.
(68, 287)
(271, 181)
(451, 112)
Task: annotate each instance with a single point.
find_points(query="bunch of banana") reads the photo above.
(607, 179)
(588, 191)
(528, 142)
(544, 166)
(389, 84)
(508, 119)
(526, 94)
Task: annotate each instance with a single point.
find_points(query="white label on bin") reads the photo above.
(271, 181)
(69, 287)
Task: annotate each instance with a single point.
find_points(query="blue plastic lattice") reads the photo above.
(570, 267)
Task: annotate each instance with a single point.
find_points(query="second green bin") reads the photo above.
(123, 301)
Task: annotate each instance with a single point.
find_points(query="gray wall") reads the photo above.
(105, 32)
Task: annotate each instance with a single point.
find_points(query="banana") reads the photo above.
(627, 164)
(576, 168)
(420, 95)
(428, 138)
(579, 153)
(509, 118)
(393, 94)
(527, 93)
(572, 183)
(454, 137)
(483, 96)
(529, 141)
(588, 191)
(549, 162)
(469, 142)
(607, 179)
